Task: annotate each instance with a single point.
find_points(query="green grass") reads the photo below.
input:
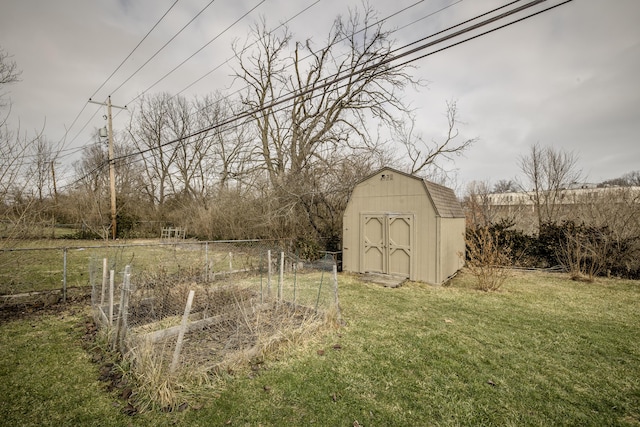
(543, 351)
(47, 378)
(41, 267)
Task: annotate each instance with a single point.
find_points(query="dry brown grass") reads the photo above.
(239, 342)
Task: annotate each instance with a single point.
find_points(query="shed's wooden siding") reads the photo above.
(437, 240)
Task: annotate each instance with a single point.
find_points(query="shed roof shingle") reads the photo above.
(444, 200)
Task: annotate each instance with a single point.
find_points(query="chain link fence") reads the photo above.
(51, 268)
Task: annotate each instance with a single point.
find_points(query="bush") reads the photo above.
(587, 251)
(487, 258)
(519, 247)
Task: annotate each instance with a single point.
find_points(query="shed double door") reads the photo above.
(387, 243)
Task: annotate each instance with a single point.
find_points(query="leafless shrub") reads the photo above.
(487, 259)
(586, 252)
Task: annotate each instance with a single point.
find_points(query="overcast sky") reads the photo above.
(567, 78)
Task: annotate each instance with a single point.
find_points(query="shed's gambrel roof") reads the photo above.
(443, 198)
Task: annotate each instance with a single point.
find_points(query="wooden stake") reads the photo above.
(281, 278)
(112, 277)
(269, 273)
(104, 280)
(183, 328)
(335, 291)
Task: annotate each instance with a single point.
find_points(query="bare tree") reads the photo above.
(227, 155)
(17, 204)
(42, 156)
(632, 178)
(325, 112)
(548, 172)
(477, 204)
(149, 132)
(629, 179)
(12, 146)
(505, 186)
(9, 73)
(335, 93)
(424, 157)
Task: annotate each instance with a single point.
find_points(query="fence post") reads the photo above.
(64, 275)
(319, 289)
(269, 273)
(112, 277)
(206, 262)
(183, 329)
(230, 262)
(261, 273)
(281, 276)
(104, 280)
(124, 312)
(335, 291)
(295, 281)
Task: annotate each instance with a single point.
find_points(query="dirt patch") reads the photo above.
(44, 303)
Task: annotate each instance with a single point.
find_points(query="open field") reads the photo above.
(543, 351)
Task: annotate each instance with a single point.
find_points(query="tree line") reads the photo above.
(277, 159)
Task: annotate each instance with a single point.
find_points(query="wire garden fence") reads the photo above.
(54, 266)
(180, 312)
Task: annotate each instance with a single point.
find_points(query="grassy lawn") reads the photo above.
(543, 351)
(37, 265)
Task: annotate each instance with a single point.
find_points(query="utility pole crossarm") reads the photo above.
(105, 103)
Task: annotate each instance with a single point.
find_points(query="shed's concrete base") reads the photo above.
(385, 280)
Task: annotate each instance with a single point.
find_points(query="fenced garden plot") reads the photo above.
(199, 321)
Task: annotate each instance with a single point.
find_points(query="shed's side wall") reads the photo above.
(452, 247)
(387, 192)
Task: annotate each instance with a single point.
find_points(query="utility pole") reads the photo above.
(55, 188)
(55, 199)
(112, 166)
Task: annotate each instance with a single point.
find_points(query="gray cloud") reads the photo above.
(566, 78)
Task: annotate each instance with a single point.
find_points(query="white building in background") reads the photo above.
(582, 194)
(587, 204)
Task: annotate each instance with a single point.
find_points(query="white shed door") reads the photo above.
(387, 243)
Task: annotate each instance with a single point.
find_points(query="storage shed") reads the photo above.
(401, 225)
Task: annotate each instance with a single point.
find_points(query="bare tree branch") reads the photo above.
(423, 155)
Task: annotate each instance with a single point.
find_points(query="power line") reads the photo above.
(86, 123)
(163, 46)
(338, 78)
(141, 67)
(290, 19)
(453, 26)
(380, 21)
(231, 57)
(429, 15)
(111, 75)
(489, 31)
(199, 50)
(135, 48)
